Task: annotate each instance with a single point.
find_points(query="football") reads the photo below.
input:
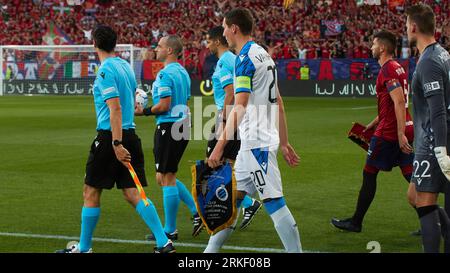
(141, 97)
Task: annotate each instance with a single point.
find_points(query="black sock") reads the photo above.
(431, 231)
(366, 195)
(445, 229)
(447, 200)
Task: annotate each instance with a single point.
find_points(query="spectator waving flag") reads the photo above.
(75, 2)
(54, 59)
(62, 9)
(368, 2)
(395, 4)
(287, 3)
(333, 27)
(55, 36)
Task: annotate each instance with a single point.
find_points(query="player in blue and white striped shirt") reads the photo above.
(224, 98)
(257, 104)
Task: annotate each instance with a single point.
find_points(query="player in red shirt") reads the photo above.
(390, 145)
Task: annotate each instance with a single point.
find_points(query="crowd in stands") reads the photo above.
(297, 32)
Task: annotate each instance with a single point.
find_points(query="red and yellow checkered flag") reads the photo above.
(138, 184)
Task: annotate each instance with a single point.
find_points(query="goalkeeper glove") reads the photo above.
(443, 160)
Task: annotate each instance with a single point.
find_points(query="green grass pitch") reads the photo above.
(44, 144)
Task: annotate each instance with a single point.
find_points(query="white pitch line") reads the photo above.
(364, 107)
(142, 242)
(354, 108)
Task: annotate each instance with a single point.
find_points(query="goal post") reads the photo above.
(56, 69)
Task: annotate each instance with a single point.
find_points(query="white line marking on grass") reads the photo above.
(354, 108)
(142, 242)
(364, 107)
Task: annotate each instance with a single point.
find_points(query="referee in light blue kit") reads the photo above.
(170, 93)
(115, 146)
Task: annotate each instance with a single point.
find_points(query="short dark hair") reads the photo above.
(241, 17)
(216, 33)
(424, 18)
(175, 43)
(388, 39)
(105, 38)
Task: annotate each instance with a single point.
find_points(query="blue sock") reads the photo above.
(171, 202)
(247, 202)
(186, 197)
(275, 204)
(151, 218)
(239, 203)
(89, 219)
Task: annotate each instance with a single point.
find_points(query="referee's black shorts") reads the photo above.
(170, 141)
(103, 170)
(231, 148)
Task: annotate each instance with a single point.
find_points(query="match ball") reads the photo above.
(141, 98)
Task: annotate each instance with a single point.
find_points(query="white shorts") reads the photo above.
(257, 170)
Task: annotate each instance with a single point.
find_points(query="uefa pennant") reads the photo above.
(214, 192)
(360, 135)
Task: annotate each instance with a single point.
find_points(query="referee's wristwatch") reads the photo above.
(116, 142)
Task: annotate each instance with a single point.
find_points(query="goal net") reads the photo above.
(57, 70)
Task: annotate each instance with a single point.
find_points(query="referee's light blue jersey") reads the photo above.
(115, 79)
(223, 76)
(172, 81)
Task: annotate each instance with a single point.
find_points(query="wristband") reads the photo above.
(148, 111)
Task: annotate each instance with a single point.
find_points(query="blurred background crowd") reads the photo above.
(306, 29)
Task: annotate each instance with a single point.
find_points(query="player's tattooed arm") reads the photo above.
(372, 124)
(397, 96)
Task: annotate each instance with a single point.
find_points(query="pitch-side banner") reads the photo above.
(319, 69)
(292, 88)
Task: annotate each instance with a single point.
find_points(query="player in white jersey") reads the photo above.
(258, 104)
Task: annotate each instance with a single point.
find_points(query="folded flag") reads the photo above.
(359, 136)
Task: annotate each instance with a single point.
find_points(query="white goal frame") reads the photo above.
(66, 48)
